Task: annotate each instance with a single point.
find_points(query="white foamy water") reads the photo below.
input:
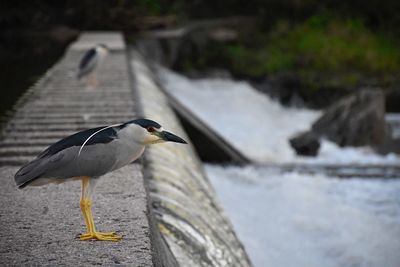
(257, 125)
(293, 219)
(310, 220)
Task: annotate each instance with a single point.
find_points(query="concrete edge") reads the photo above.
(177, 240)
(237, 156)
(162, 254)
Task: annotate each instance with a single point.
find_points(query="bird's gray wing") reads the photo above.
(61, 153)
(88, 63)
(37, 168)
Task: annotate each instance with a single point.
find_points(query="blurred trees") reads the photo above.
(127, 14)
(327, 44)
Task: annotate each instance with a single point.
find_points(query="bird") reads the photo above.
(89, 154)
(90, 63)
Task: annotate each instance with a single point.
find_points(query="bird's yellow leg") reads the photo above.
(91, 221)
(82, 204)
(86, 206)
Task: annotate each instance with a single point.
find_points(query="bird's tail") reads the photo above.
(29, 172)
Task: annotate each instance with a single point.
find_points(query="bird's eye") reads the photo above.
(151, 129)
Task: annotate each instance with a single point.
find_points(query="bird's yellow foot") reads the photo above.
(110, 236)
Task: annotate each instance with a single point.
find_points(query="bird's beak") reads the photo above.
(167, 136)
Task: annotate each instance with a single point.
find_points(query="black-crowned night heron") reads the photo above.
(90, 63)
(89, 154)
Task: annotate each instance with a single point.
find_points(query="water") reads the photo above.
(294, 219)
(257, 125)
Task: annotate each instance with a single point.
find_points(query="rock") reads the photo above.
(393, 100)
(223, 35)
(285, 87)
(391, 144)
(306, 144)
(357, 120)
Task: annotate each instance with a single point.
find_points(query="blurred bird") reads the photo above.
(89, 154)
(90, 63)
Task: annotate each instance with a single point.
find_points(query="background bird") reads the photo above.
(89, 154)
(91, 62)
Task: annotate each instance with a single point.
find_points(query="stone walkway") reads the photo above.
(177, 222)
(39, 226)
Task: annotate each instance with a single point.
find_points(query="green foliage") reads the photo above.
(258, 62)
(152, 7)
(321, 43)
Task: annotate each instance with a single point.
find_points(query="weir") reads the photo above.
(191, 222)
(163, 205)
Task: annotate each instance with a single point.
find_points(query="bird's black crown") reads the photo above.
(145, 123)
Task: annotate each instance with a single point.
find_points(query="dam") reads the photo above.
(167, 215)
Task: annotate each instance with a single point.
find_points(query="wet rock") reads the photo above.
(223, 35)
(306, 144)
(390, 144)
(393, 100)
(357, 120)
(285, 87)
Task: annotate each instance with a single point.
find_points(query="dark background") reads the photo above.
(34, 34)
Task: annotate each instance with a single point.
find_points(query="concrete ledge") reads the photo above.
(58, 105)
(113, 40)
(190, 220)
(39, 226)
(177, 223)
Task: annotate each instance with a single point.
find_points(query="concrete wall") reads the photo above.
(191, 222)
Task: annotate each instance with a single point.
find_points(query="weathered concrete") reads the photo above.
(113, 40)
(191, 221)
(177, 223)
(39, 226)
(58, 105)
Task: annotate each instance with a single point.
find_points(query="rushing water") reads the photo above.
(255, 124)
(302, 220)
(291, 218)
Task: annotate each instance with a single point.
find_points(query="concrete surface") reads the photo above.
(191, 221)
(59, 105)
(39, 226)
(176, 222)
(113, 40)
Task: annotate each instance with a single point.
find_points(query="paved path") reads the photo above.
(39, 226)
(184, 225)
